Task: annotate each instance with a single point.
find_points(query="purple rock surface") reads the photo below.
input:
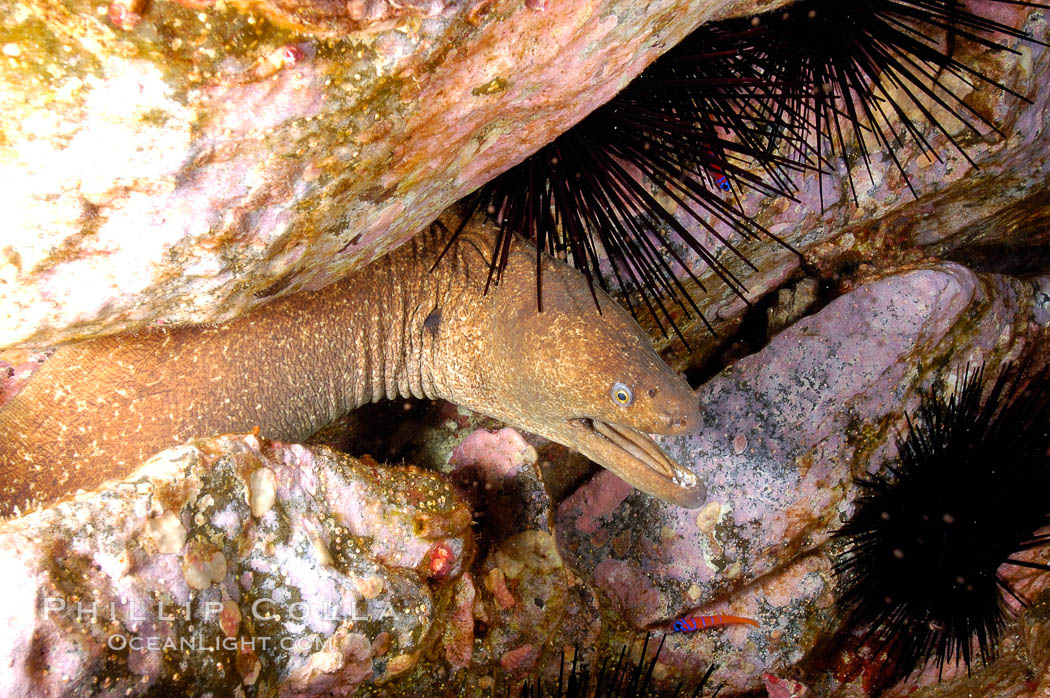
(785, 432)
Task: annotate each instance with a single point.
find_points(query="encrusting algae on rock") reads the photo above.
(232, 565)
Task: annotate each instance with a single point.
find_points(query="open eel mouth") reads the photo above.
(637, 459)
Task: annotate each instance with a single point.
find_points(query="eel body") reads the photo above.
(591, 381)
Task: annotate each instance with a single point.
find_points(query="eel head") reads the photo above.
(586, 379)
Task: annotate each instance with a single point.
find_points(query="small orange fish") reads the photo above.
(701, 622)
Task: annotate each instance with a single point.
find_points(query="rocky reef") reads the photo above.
(183, 162)
(377, 576)
(233, 565)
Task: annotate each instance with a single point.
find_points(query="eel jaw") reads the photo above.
(638, 460)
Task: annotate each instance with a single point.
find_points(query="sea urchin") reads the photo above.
(923, 549)
(878, 68)
(625, 678)
(649, 188)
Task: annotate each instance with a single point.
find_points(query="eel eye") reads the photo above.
(621, 394)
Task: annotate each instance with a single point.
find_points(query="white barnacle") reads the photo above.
(262, 491)
(167, 532)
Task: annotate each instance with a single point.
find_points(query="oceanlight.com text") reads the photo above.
(197, 643)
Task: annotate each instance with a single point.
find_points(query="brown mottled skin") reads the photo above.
(97, 409)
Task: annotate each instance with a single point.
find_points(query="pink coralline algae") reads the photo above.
(591, 505)
(525, 604)
(630, 590)
(519, 660)
(200, 575)
(494, 457)
(458, 635)
(783, 688)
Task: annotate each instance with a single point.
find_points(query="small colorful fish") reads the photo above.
(687, 624)
(721, 181)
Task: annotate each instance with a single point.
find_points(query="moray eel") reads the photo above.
(591, 381)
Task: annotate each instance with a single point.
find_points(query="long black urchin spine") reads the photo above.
(623, 678)
(848, 71)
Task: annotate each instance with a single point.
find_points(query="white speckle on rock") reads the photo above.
(324, 557)
(708, 516)
(167, 532)
(202, 567)
(369, 587)
(529, 455)
(262, 491)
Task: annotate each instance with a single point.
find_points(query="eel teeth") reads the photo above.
(645, 450)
